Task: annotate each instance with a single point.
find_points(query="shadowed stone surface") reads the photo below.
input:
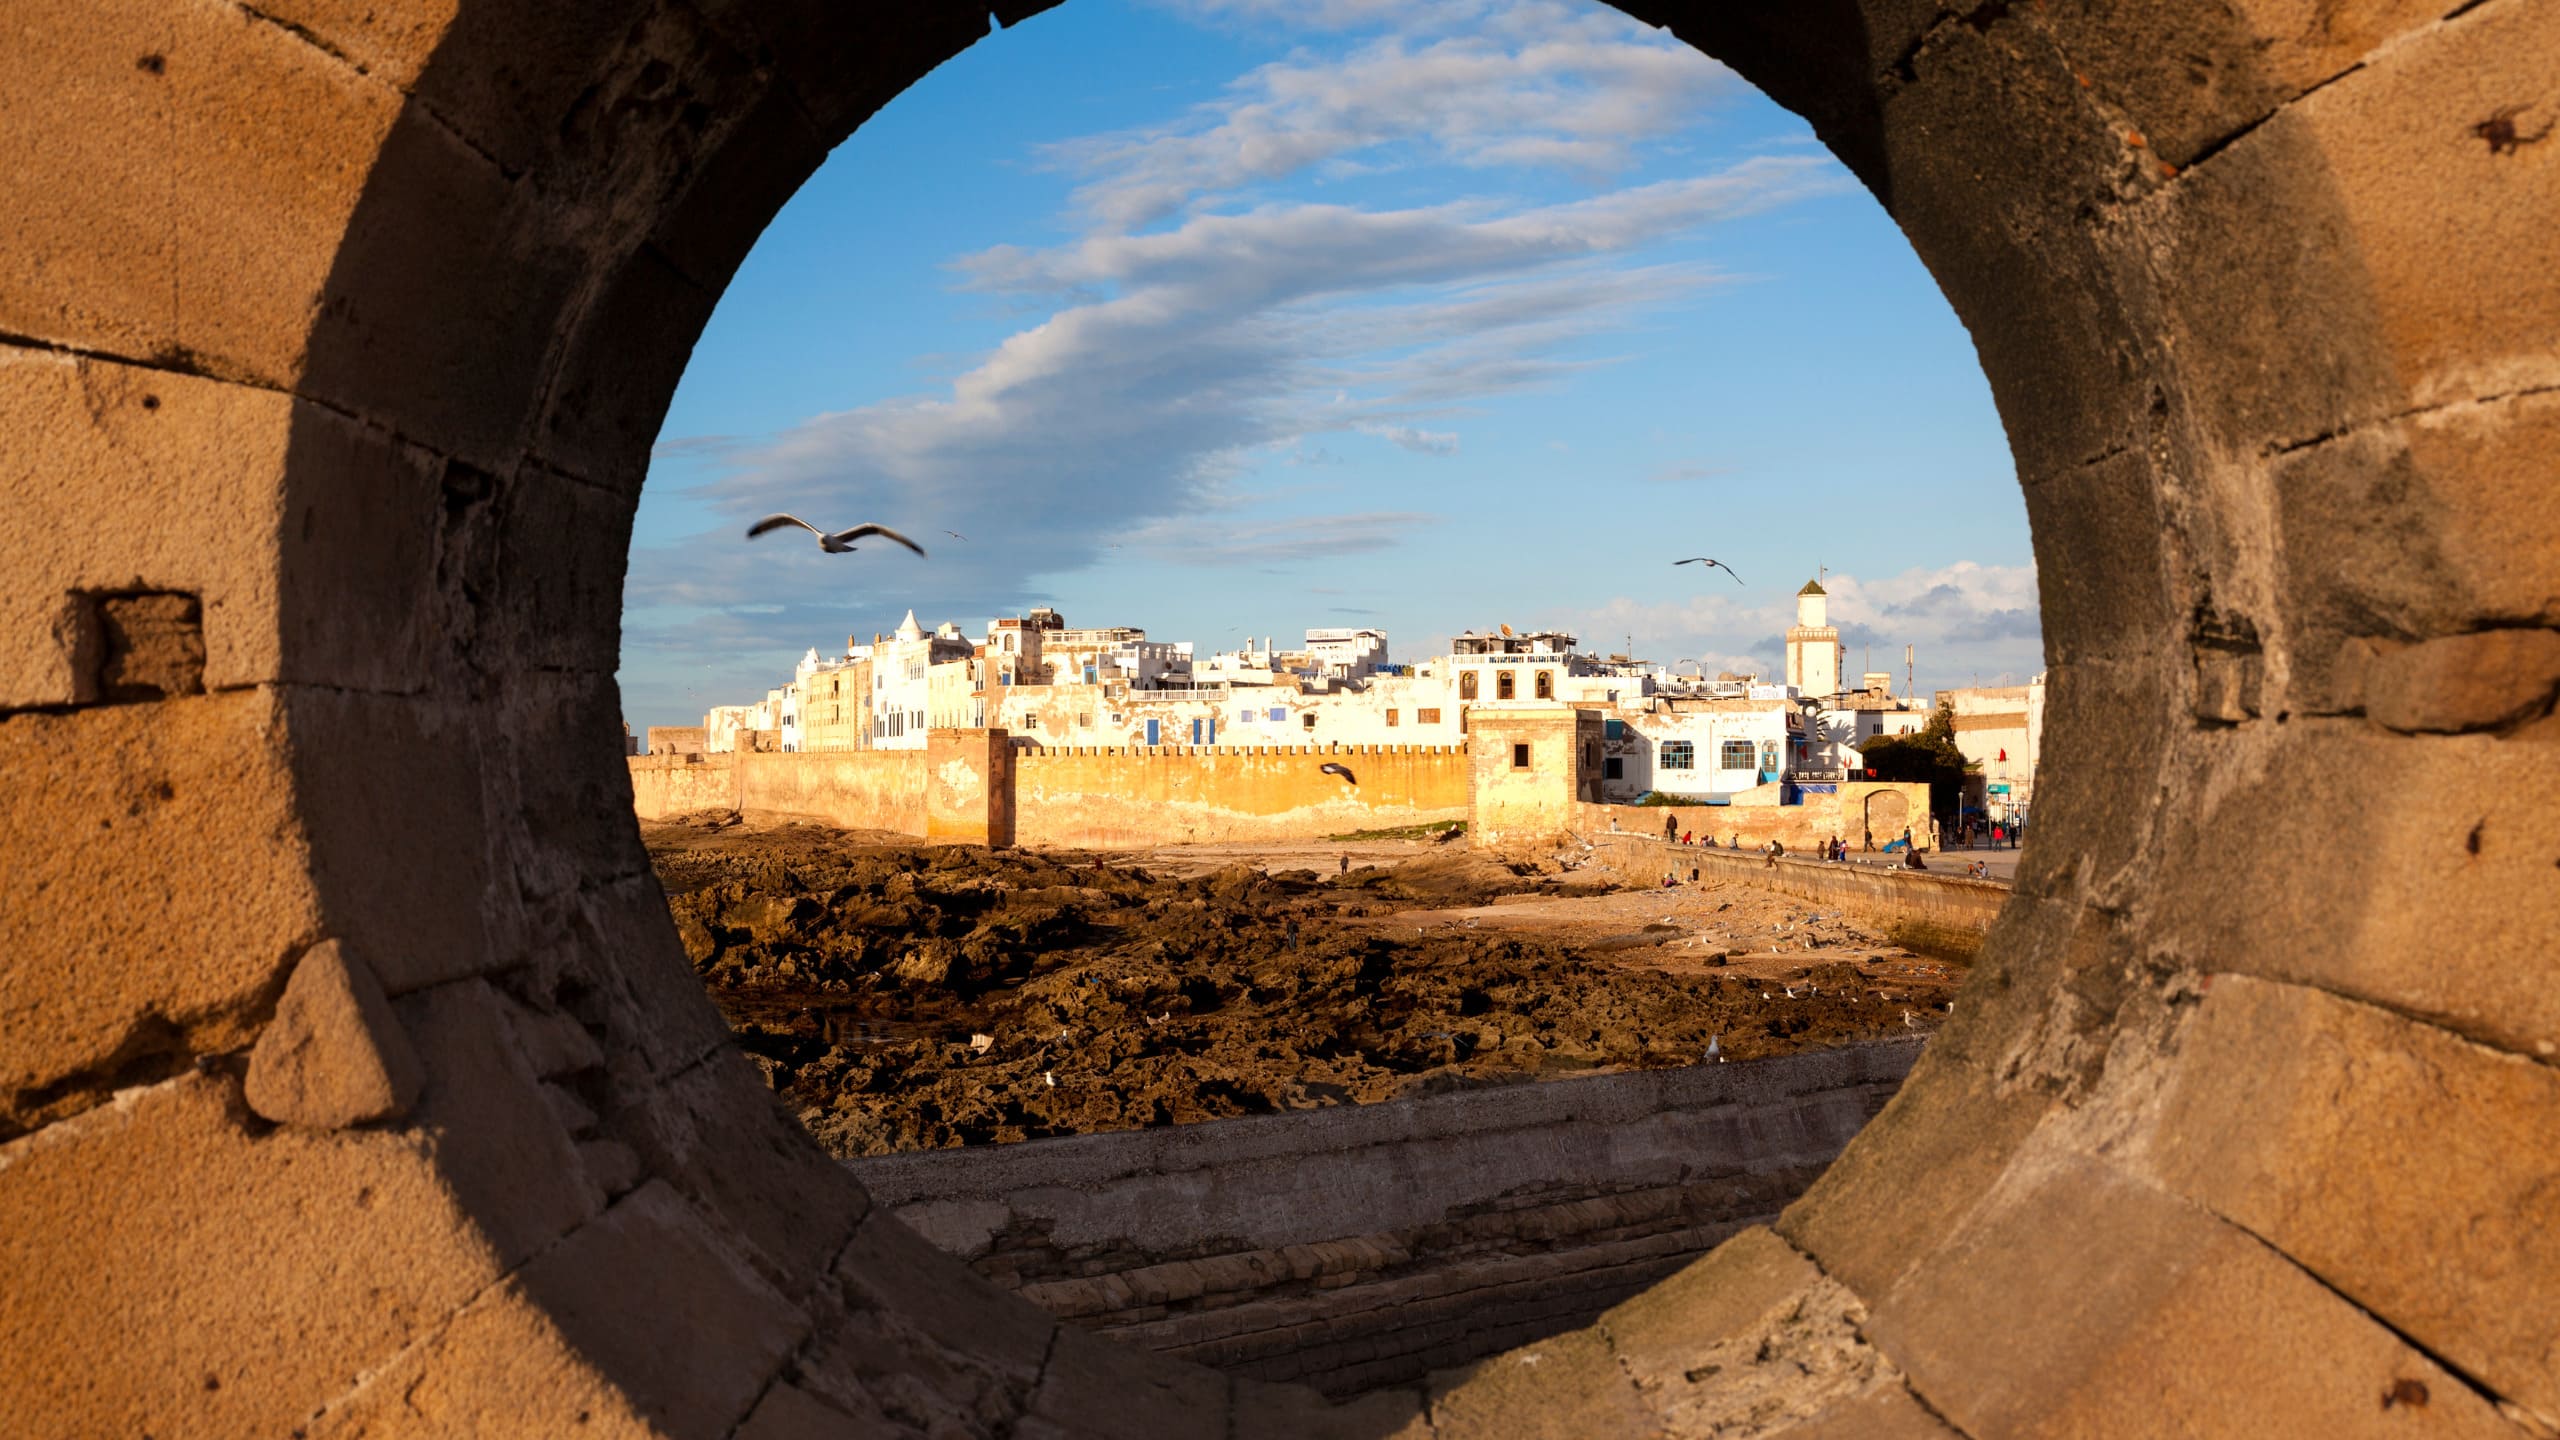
(334, 1055)
(373, 308)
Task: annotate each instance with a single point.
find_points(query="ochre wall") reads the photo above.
(857, 789)
(1080, 796)
(1798, 827)
(1511, 804)
(664, 785)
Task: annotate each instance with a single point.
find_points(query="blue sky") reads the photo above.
(1227, 317)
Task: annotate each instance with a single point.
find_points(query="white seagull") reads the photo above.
(839, 542)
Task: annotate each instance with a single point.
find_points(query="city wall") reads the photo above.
(1122, 796)
(1364, 1246)
(1822, 815)
(973, 787)
(677, 784)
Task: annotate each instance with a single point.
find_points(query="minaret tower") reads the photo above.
(1814, 651)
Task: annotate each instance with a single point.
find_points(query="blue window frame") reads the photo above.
(1678, 755)
(1738, 755)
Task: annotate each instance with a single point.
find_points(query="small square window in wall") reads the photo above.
(1426, 716)
(1519, 757)
(1391, 717)
(1615, 769)
(1308, 720)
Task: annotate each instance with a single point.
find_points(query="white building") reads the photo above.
(1346, 654)
(1815, 656)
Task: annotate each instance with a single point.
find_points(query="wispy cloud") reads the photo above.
(1523, 83)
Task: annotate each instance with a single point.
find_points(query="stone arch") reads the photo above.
(358, 1086)
(1887, 813)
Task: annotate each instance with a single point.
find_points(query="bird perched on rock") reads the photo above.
(1716, 564)
(1329, 768)
(837, 543)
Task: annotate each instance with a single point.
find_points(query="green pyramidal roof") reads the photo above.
(1813, 587)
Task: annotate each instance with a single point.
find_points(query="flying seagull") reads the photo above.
(1329, 768)
(839, 543)
(954, 534)
(1717, 564)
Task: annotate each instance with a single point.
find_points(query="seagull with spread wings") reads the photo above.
(837, 543)
(1717, 564)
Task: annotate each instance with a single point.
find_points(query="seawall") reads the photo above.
(1940, 914)
(1363, 1246)
(1100, 796)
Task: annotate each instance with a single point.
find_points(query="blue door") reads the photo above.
(1155, 735)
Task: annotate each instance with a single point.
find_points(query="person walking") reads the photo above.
(1670, 827)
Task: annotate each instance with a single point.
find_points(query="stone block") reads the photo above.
(718, 1134)
(172, 1274)
(888, 1267)
(2451, 227)
(1565, 1387)
(586, 1340)
(1094, 1388)
(788, 1412)
(84, 446)
(2484, 680)
(334, 1055)
(1885, 1412)
(162, 928)
(1290, 1412)
(2411, 1170)
(407, 885)
(2078, 1301)
(2426, 526)
(843, 65)
(557, 605)
(2434, 876)
(180, 195)
(766, 153)
(626, 350)
(150, 646)
(2101, 576)
(446, 298)
(482, 1115)
(1916, 1169)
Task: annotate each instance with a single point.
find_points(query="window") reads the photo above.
(1084, 719)
(1467, 685)
(1613, 729)
(1308, 720)
(1614, 769)
(1736, 755)
(1428, 715)
(1677, 755)
(1278, 714)
(1506, 686)
(1519, 757)
(1391, 717)
(1546, 684)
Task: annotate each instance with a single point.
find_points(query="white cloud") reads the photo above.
(1526, 83)
(1420, 442)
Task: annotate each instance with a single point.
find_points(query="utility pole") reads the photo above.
(1910, 687)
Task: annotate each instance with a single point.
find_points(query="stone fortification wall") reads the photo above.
(1822, 815)
(1923, 909)
(1160, 795)
(677, 784)
(857, 789)
(1364, 1246)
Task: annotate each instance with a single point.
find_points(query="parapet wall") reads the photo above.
(1848, 812)
(677, 784)
(1928, 910)
(1161, 795)
(856, 789)
(1363, 1246)
(1076, 795)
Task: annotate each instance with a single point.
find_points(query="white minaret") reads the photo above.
(1814, 651)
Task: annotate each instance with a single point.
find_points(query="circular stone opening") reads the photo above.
(356, 965)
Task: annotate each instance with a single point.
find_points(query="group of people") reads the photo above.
(1992, 834)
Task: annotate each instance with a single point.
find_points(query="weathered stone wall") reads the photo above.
(333, 340)
(664, 785)
(1823, 815)
(1931, 911)
(1093, 796)
(1532, 767)
(855, 789)
(1357, 1247)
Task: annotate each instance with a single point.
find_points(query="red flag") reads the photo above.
(2004, 754)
